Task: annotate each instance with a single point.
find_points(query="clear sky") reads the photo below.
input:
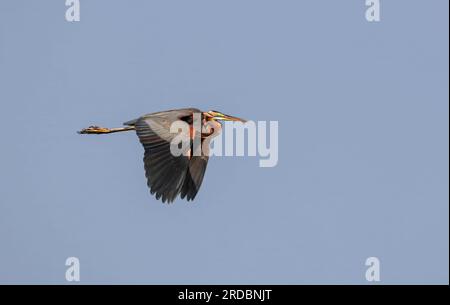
(363, 141)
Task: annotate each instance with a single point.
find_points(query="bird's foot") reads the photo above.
(94, 130)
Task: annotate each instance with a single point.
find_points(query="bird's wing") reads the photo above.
(194, 177)
(165, 172)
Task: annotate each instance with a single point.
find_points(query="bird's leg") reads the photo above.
(104, 130)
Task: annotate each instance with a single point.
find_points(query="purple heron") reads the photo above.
(168, 175)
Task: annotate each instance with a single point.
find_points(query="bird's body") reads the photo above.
(170, 175)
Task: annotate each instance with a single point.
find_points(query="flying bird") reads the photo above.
(169, 175)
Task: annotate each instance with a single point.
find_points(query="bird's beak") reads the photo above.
(226, 117)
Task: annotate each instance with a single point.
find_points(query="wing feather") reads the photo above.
(165, 173)
(168, 175)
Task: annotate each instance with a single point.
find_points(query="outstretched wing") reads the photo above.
(168, 175)
(165, 172)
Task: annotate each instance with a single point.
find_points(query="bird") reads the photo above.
(169, 175)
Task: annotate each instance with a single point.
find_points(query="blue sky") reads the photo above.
(363, 141)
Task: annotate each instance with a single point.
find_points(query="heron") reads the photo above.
(169, 175)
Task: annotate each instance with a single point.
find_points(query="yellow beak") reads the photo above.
(226, 117)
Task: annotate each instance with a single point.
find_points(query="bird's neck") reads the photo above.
(212, 128)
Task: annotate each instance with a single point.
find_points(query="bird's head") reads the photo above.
(218, 116)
